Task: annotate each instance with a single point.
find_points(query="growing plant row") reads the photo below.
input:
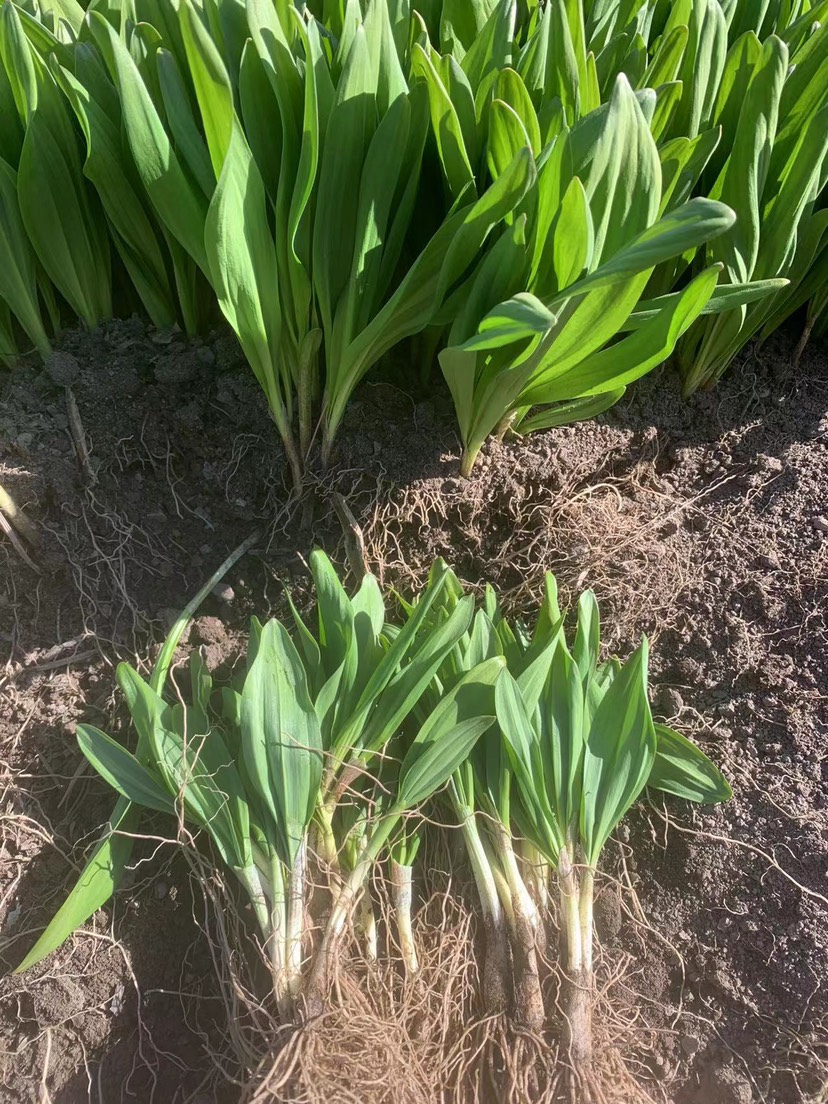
(315, 766)
(558, 195)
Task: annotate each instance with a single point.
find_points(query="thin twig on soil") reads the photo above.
(78, 437)
(354, 540)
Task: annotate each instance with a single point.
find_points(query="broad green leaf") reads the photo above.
(446, 126)
(682, 769)
(747, 167)
(666, 60)
(622, 174)
(351, 125)
(335, 613)
(281, 740)
(507, 136)
(179, 204)
(627, 360)
(510, 89)
(448, 735)
(572, 238)
(491, 49)
(561, 708)
(122, 770)
(692, 224)
(587, 648)
(113, 175)
(725, 297)
(702, 66)
(567, 413)
(405, 688)
(461, 22)
(18, 273)
(181, 119)
(619, 754)
(99, 879)
(521, 316)
(531, 760)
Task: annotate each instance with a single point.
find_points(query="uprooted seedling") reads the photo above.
(314, 770)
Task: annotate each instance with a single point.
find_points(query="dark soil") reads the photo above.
(702, 524)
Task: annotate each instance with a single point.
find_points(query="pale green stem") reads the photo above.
(250, 878)
(484, 877)
(278, 937)
(368, 925)
(263, 866)
(318, 982)
(504, 890)
(467, 460)
(520, 896)
(537, 877)
(305, 395)
(296, 920)
(326, 840)
(289, 443)
(490, 886)
(570, 916)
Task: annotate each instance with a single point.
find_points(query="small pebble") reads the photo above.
(224, 592)
(820, 524)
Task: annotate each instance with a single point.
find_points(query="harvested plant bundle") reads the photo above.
(557, 774)
(583, 746)
(255, 767)
(320, 760)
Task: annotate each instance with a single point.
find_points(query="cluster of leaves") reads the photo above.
(342, 728)
(574, 746)
(254, 766)
(613, 182)
(681, 170)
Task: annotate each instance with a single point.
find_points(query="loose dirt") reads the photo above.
(703, 524)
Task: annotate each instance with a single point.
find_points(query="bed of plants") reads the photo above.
(530, 204)
(559, 196)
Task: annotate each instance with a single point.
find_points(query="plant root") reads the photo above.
(496, 983)
(607, 1081)
(528, 997)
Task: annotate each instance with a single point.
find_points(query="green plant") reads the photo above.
(320, 759)
(772, 177)
(480, 796)
(593, 158)
(104, 869)
(58, 209)
(544, 81)
(254, 768)
(540, 325)
(583, 746)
